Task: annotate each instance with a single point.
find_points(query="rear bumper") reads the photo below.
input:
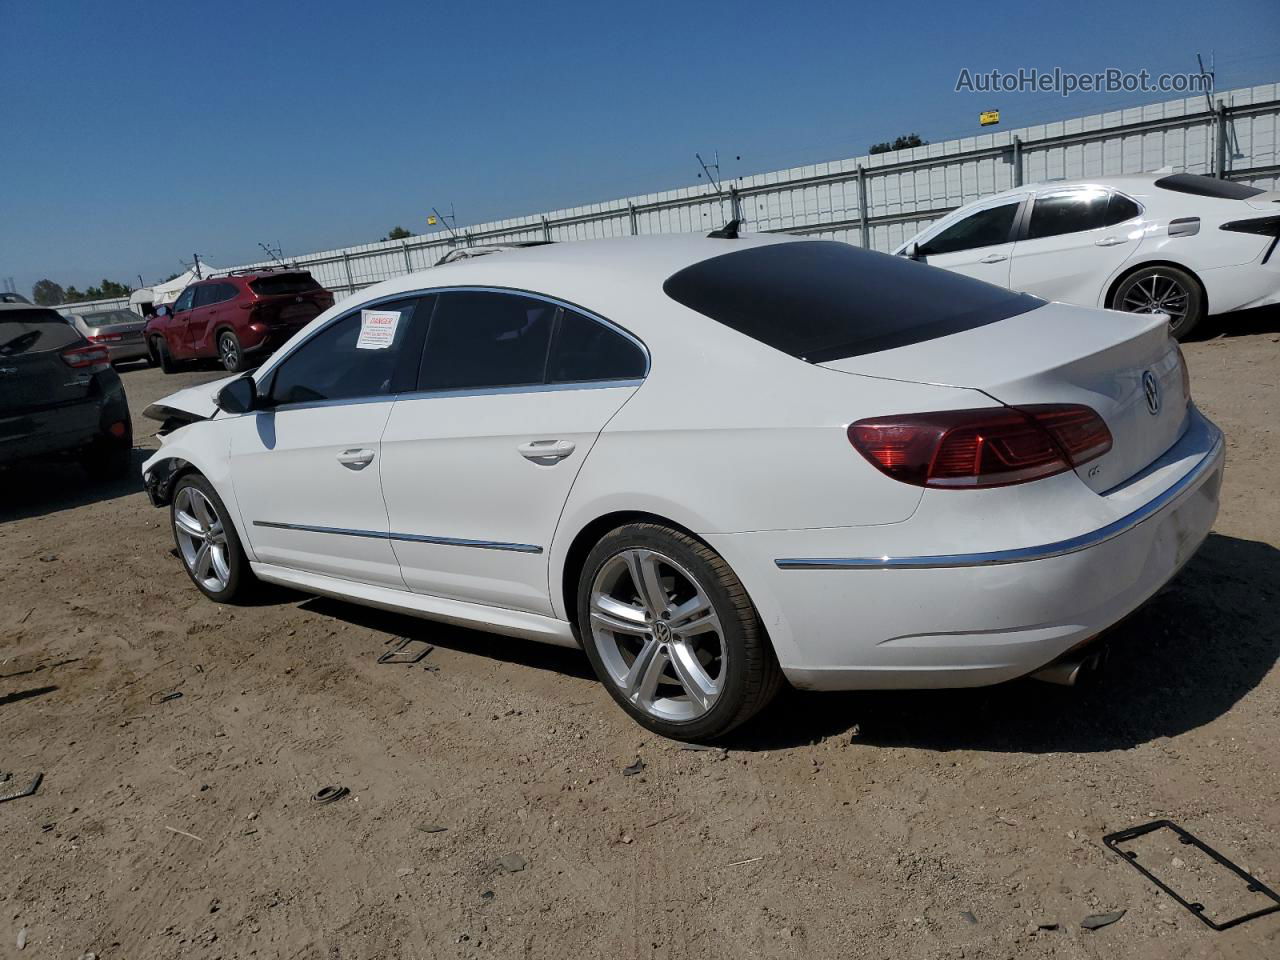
(947, 619)
(122, 352)
(45, 432)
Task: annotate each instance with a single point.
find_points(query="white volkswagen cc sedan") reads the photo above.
(1183, 245)
(712, 464)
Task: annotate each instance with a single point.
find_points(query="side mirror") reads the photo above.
(913, 252)
(163, 311)
(238, 396)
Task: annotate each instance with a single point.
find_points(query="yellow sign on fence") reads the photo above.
(987, 117)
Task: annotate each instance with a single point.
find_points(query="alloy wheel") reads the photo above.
(229, 352)
(1158, 293)
(202, 538)
(658, 635)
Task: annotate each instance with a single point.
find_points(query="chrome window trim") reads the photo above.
(406, 537)
(1045, 551)
(261, 375)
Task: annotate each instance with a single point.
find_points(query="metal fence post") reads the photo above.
(864, 228)
(346, 262)
(546, 230)
(631, 215)
(1220, 141)
(1017, 161)
(408, 264)
(735, 204)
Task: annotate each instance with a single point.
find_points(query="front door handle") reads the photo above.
(355, 459)
(1108, 241)
(994, 258)
(546, 452)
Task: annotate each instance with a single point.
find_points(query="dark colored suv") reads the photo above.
(238, 319)
(59, 394)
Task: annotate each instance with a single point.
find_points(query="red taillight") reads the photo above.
(1186, 376)
(88, 357)
(987, 447)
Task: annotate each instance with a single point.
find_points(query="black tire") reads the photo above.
(1144, 289)
(240, 581)
(749, 674)
(160, 350)
(110, 458)
(230, 352)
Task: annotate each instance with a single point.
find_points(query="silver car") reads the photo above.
(120, 331)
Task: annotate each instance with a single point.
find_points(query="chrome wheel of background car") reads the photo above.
(658, 635)
(202, 538)
(229, 351)
(1158, 293)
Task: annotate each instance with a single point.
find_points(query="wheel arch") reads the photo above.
(1132, 268)
(588, 536)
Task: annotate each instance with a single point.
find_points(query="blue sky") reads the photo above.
(137, 133)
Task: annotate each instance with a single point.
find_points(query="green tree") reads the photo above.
(398, 233)
(904, 142)
(47, 293)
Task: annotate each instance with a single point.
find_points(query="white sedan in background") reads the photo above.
(1179, 244)
(712, 463)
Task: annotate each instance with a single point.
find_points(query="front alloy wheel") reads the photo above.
(672, 634)
(206, 539)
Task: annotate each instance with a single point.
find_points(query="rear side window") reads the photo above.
(586, 350)
(482, 339)
(333, 366)
(1207, 187)
(1120, 208)
(982, 229)
(34, 331)
(820, 300)
(1072, 211)
(206, 294)
(285, 283)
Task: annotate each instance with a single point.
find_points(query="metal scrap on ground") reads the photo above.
(26, 791)
(399, 653)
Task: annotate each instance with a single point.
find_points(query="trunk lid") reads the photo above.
(1061, 354)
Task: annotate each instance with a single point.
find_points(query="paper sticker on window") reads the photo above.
(377, 329)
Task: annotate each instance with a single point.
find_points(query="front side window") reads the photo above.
(586, 350)
(481, 339)
(339, 363)
(1070, 212)
(982, 229)
(184, 301)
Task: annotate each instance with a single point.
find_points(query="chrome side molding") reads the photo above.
(1042, 551)
(406, 537)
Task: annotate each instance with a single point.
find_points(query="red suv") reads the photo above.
(234, 317)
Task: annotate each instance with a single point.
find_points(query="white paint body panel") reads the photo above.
(746, 447)
(1073, 268)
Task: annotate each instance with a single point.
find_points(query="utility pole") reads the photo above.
(199, 275)
(444, 221)
(707, 168)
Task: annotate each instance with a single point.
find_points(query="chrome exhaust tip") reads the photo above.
(1073, 671)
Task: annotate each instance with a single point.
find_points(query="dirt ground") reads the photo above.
(947, 824)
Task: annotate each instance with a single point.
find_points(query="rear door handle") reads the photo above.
(994, 258)
(355, 459)
(1108, 241)
(546, 451)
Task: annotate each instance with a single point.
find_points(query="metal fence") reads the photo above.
(878, 201)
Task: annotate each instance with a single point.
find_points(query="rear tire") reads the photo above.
(109, 458)
(229, 352)
(672, 635)
(1163, 289)
(207, 541)
(160, 350)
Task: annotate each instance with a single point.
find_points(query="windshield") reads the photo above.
(820, 300)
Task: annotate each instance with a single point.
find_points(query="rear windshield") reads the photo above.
(285, 283)
(34, 331)
(108, 317)
(820, 300)
(1207, 187)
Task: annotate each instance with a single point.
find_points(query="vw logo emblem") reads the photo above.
(662, 632)
(1151, 389)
